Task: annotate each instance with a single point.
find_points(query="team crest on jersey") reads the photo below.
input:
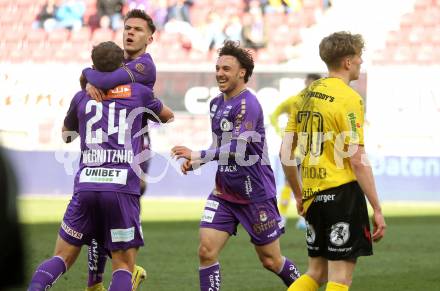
(248, 125)
(263, 216)
(310, 233)
(139, 67)
(225, 125)
(340, 233)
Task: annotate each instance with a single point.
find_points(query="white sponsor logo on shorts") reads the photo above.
(122, 235)
(208, 215)
(325, 198)
(339, 250)
(103, 175)
(273, 234)
(340, 233)
(310, 233)
(212, 204)
(71, 232)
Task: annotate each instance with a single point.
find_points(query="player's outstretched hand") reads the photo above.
(190, 165)
(379, 226)
(96, 94)
(186, 167)
(181, 152)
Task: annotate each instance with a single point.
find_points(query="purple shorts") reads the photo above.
(261, 219)
(109, 217)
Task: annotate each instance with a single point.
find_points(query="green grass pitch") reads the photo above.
(407, 259)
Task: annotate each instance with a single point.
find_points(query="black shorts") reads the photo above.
(338, 227)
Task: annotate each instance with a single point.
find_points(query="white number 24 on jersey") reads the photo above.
(95, 137)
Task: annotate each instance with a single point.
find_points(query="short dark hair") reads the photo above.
(313, 76)
(107, 56)
(139, 13)
(243, 56)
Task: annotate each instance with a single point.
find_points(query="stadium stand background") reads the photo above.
(186, 41)
(40, 70)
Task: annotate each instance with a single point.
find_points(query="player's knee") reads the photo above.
(67, 257)
(124, 259)
(206, 254)
(319, 275)
(271, 264)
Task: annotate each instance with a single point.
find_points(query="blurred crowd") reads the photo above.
(200, 24)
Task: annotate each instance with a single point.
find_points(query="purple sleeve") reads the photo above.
(107, 80)
(71, 120)
(245, 118)
(143, 71)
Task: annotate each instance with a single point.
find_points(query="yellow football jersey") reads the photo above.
(328, 117)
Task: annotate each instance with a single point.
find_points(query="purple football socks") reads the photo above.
(47, 273)
(289, 273)
(121, 281)
(210, 277)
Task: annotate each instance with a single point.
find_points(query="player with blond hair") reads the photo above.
(325, 133)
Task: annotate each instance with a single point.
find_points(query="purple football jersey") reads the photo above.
(110, 143)
(244, 174)
(140, 70)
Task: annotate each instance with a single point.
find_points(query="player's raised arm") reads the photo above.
(107, 80)
(141, 70)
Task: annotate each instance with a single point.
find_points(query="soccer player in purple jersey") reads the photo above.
(244, 184)
(105, 204)
(139, 67)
